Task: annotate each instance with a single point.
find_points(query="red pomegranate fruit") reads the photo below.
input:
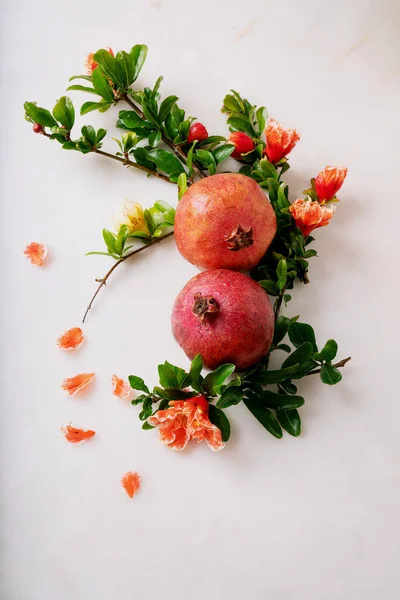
(224, 222)
(226, 317)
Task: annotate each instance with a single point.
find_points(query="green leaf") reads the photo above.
(141, 157)
(281, 401)
(166, 161)
(300, 356)
(128, 119)
(231, 104)
(306, 368)
(125, 68)
(281, 271)
(263, 416)
(82, 88)
(182, 185)
(269, 286)
(147, 426)
(39, 115)
(214, 380)
(121, 239)
(137, 383)
(219, 419)
(281, 328)
(270, 377)
(173, 394)
(196, 368)
(64, 112)
(261, 116)
(102, 85)
(239, 122)
(110, 240)
(284, 347)
(100, 253)
(212, 140)
(147, 409)
(230, 396)
(330, 374)
(328, 352)
(288, 386)
(267, 169)
(86, 77)
(138, 54)
(290, 421)
(154, 138)
(165, 107)
(171, 376)
(206, 158)
(300, 333)
(189, 160)
(222, 152)
(109, 66)
(101, 106)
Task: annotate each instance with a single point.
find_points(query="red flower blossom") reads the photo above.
(131, 483)
(74, 435)
(280, 141)
(185, 421)
(71, 339)
(91, 64)
(310, 215)
(36, 253)
(329, 182)
(242, 142)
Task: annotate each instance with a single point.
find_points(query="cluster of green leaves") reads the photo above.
(159, 218)
(247, 118)
(276, 409)
(178, 384)
(112, 78)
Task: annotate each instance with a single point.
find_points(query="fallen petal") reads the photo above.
(131, 483)
(120, 387)
(71, 339)
(36, 253)
(74, 435)
(73, 385)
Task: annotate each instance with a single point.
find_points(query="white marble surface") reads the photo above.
(310, 518)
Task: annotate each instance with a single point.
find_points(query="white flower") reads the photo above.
(131, 215)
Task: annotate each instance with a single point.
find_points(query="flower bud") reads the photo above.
(91, 64)
(242, 142)
(280, 141)
(131, 214)
(309, 215)
(329, 182)
(37, 128)
(197, 132)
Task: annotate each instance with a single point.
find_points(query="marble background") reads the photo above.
(309, 518)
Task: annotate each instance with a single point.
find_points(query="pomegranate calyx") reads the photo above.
(204, 305)
(239, 239)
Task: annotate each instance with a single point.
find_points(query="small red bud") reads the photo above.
(37, 128)
(197, 132)
(242, 142)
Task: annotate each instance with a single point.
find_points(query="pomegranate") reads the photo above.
(224, 221)
(226, 317)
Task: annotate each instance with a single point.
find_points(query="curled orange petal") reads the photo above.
(71, 339)
(36, 253)
(73, 385)
(131, 483)
(74, 435)
(120, 387)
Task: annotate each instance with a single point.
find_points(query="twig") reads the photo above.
(103, 281)
(177, 149)
(338, 365)
(279, 303)
(129, 163)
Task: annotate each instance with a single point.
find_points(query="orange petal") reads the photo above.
(73, 385)
(75, 435)
(71, 339)
(36, 253)
(120, 387)
(131, 483)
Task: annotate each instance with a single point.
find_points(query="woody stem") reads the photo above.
(103, 281)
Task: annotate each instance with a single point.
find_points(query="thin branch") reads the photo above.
(129, 163)
(103, 281)
(279, 303)
(177, 149)
(338, 365)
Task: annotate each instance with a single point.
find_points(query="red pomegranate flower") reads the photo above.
(329, 182)
(91, 64)
(242, 142)
(186, 420)
(310, 215)
(280, 141)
